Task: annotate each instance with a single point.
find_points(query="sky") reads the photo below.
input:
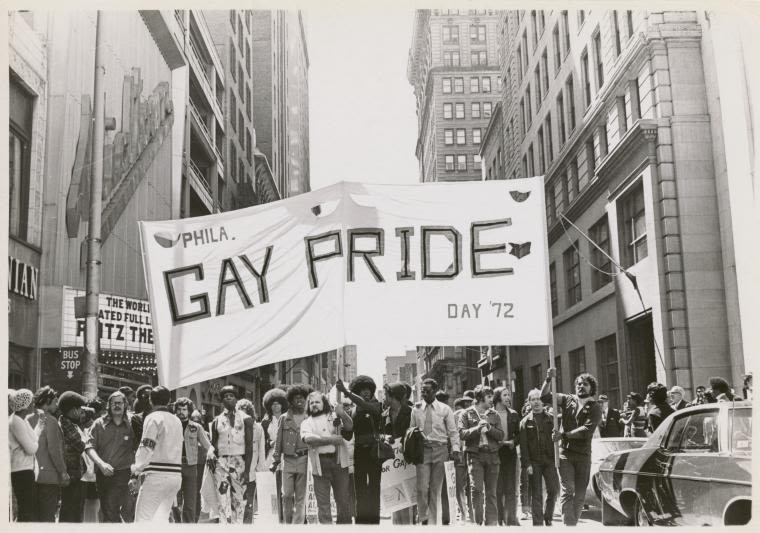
(362, 119)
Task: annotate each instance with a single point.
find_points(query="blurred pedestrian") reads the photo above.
(195, 442)
(51, 465)
(397, 418)
(677, 401)
(481, 433)
(463, 485)
(660, 408)
(721, 390)
(129, 394)
(22, 447)
(72, 501)
(275, 404)
(158, 461)
(537, 456)
(634, 417)
(610, 425)
(506, 493)
(747, 386)
(699, 398)
(258, 457)
(579, 417)
(443, 397)
(436, 423)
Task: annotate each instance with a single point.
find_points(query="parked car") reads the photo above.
(694, 470)
(600, 449)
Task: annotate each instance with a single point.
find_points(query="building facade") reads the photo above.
(617, 110)
(27, 98)
(454, 69)
(281, 97)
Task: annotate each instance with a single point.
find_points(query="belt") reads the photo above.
(298, 453)
(327, 454)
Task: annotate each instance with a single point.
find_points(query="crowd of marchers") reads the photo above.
(139, 456)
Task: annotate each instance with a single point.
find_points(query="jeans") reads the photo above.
(48, 497)
(483, 468)
(335, 476)
(543, 472)
(463, 487)
(72, 502)
(189, 493)
(367, 485)
(574, 474)
(506, 492)
(115, 500)
(525, 498)
(445, 516)
(430, 476)
(199, 470)
(293, 497)
(25, 490)
(157, 492)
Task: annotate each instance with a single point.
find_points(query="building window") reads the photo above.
(451, 59)
(572, 180)
(448, 111)
(233, 109)
(248, 151)
(248, 101)
(553, 289)
(474, 85)
(525, 166)
(530, 161)
(629, 24)
(522, 115)
(535, 374)
(571, 260)
(487, 109)
(549, 143)
(557, 50)
(477, 162)
(233, 20)
(21, 113)
(476, 132)
(600, 263)
(233, 161)
(446, 85)
(606, 354)
(479, 57)
(524, 57)
(581, 18)
(559, 195)
(461, 136)
(570, 90)
(551, 207)
(459, 108)
(475, 109)
(449, 163)
(541, 160)
(545, 71)
(240, 81)
(585, 79)
(616, 32)
(241, 129)
(487, 85)
(561, 118)
(233, 60)
(519, 64)
(528, 111)
(590, 158)
(632, 216)
(598, 59)
(451, 34)
(458, 85)
(566, 32)
(478, 33)
(558, 366)
(240, 34)
(461, 162)
(577, 362)
(448, 136)
(537, 85)
(534, 27)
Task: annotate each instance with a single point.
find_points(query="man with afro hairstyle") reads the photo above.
(661, 409)
(293, 453)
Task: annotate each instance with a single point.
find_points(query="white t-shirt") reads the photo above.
(319, 426)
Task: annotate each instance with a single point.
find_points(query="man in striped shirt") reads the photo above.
(158, 460)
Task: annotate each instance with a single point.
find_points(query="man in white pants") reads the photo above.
(158, 460)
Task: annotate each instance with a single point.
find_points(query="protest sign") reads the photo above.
(451, 488)
(266, 497)
(398, 484)
(447, 264)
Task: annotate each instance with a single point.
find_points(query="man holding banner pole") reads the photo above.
(580, 416)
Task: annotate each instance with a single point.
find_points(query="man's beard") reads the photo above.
(315, 411)
(583, 394)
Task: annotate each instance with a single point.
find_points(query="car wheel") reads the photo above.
(640, 515)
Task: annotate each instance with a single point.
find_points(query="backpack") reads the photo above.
(413, 446)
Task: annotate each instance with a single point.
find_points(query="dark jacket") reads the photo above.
(470, 434)
(578, 424)
(536, 444)
(396, 429)
(657, 414)
(680, 405)
(512, 431)
(368, 423)
(611, 426)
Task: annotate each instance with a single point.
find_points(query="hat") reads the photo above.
(676, 389)
(21, 399)
(603, 398)
(362, 382)
(70, 400)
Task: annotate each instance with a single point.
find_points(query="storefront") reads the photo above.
(23, 310)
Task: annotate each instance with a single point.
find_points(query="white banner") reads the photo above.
(398, 484)
(432, 264)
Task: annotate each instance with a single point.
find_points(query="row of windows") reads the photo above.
(458, 162)
(452, 58)
(456, 110)
(461, 136)
(450, 33)
(477, 85)
(633, 248)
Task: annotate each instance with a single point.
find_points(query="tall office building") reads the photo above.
(623, 114)
(281, 97)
